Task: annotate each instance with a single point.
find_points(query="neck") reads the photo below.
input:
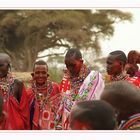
(120, 76)
(74, 76)
(84, 71)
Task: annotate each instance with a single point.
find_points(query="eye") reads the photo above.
(37, 72)
(1, 65)
(70, 65)
(41, 72)
(44, 72)
(4, 64)
(109, 62)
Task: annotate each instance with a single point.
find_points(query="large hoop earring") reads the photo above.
(9, 67)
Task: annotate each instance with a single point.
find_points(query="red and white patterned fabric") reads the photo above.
(44, 118)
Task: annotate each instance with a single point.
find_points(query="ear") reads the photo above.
(32, 74)
(122, 64)
(84, 126)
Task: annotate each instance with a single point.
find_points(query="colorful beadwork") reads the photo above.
(42, 94)
(5, 85)
(76, 82)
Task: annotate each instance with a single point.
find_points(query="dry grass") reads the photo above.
(24, 76)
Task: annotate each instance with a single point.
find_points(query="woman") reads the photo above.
(15, 97)
(131, 66)
(44, 98)
(79, 84)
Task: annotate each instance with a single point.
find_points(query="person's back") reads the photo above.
(93, 115)
(125, 98)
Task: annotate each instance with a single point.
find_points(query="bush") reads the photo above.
(56, 74)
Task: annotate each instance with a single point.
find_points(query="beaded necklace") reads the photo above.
(76, 82)
(122, 76)
(42, 94)
(5, 84)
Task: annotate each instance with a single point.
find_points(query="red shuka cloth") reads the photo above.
(17, 113)
(47, 116)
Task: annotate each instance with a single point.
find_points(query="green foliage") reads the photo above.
(55, 74)
(25, 33)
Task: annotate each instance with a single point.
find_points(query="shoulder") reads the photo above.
(55, 89)
(18, 81)
(134, 80)
(95, 74)
(55, 86)
(137, 74)
(29, 91)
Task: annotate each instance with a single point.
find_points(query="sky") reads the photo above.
(126, 36)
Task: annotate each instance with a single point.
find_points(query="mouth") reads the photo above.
(41, 80)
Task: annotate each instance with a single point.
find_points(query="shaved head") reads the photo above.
(5, 57)
(124, 97)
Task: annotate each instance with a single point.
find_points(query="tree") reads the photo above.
(25, 33)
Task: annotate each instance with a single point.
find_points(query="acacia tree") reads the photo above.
(25, 33)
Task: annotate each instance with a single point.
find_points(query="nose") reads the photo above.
(40, 74)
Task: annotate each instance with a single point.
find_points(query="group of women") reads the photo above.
(50, 106)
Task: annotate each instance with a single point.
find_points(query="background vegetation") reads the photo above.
(26, 33)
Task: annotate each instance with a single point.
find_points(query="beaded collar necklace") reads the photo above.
(42, 93)
(5, 83)
(122, 76)
(76, 82)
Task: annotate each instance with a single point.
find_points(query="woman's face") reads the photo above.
(74, 66)
(40, 74)
(114, 66)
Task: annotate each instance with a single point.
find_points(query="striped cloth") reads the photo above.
(133, 123)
